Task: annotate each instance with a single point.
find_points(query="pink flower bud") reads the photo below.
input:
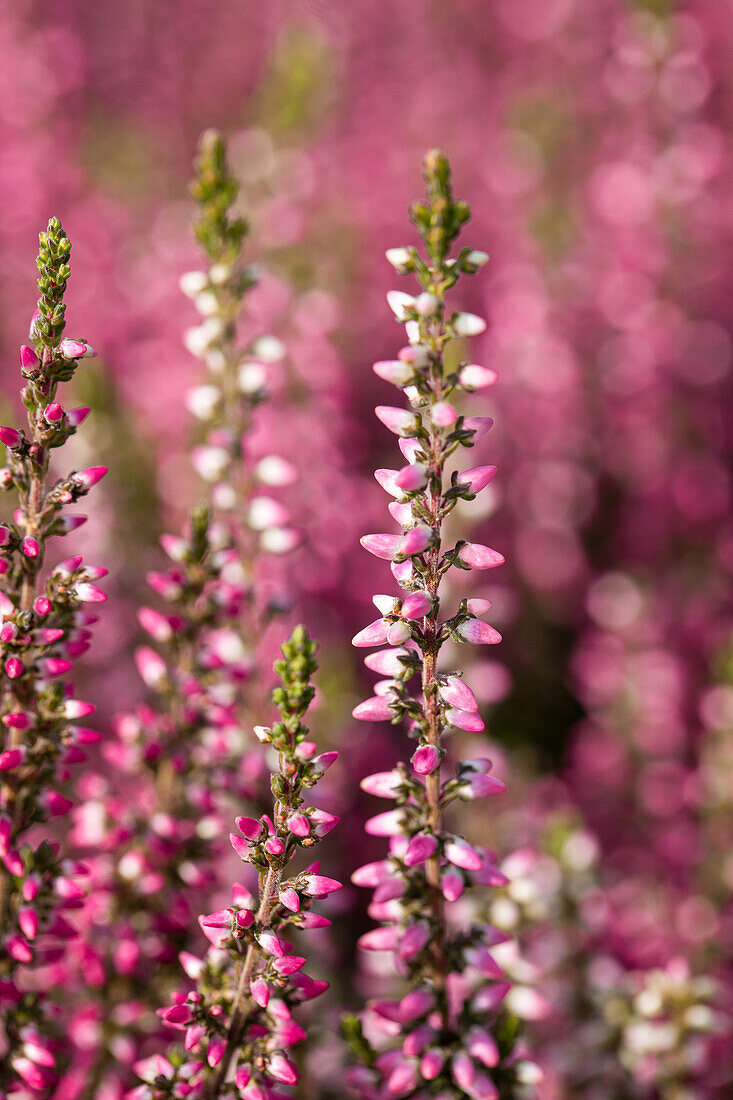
(416, 605)
(386, 824)
(11, 437)
(240, 846)
(89, 477)
(400, 421)
(382, 546)
(478, 632)
(318, 886)
(11, 758)
(250, 827)
(30, 547)
(477, 478)
(397, 633)
(28, 358)
(476, 556)
(260, 991)
(431, 1064)
(55, 804)
(461, 854)
(215, 1051)
(76, 349)
(414, 940)
(469, 720)
(274, 846)
(415, 541)
(14, 667)
(76, 417)
(425, 759)
(270, 944)
(322, 822)
(299, 825)
(481, 1045)
(419, 849)
(411, 478)
(458, 694)
(452, 885)
(443, 414)
(376, 709)
(410, 448)
(42, 605)
(282, 1070)
(53, 413)
(481, 786)
(290, 899)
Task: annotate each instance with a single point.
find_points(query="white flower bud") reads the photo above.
(219, 273)
(399, 302)
(468, 324)
(400, 259)
(193, 282)
(206, 303)
(202, 401)
(427, 305)
(269, 349)
(252, 377)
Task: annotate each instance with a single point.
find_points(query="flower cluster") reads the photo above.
(239, 1016)
(44, 629)
(449, 1024)
(156, 840)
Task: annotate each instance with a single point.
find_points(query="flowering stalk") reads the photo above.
(239, 1016)
(43, 630)
(201, 663)
(455, 986)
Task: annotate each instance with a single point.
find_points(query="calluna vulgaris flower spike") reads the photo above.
(454, 1039)
(202, 662)
(43, 629)
(239, 1016)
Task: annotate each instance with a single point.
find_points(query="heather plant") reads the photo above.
(44, 629)
(238, 1020)
(159, 835)
(452, 1037)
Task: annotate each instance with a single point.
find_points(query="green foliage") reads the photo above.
(54, 251)
(215, 190)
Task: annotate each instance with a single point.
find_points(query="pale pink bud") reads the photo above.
(374, 634)
(478, 632)
(397, 633)
(476, 556)
(150, 665)
(382, 546)
(395, 371)
(419, 849)
(382, 784)
(400, 421)
(443, 414)
(376, 709)
(322, 822)
(274, 846)
(400, 304)
(410, 448)
(282, 1070)
(416, 605)
(481, 1045)
(425, 759)
(464, 1071)
(387, 662)
(155, 624)
(475, 377)
(318, 886)
(388, 480)
(403, 1079)
(415, 541)
(479, 425)
(386, 824)
(468, 324)
(380, 939)
(481, 786)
